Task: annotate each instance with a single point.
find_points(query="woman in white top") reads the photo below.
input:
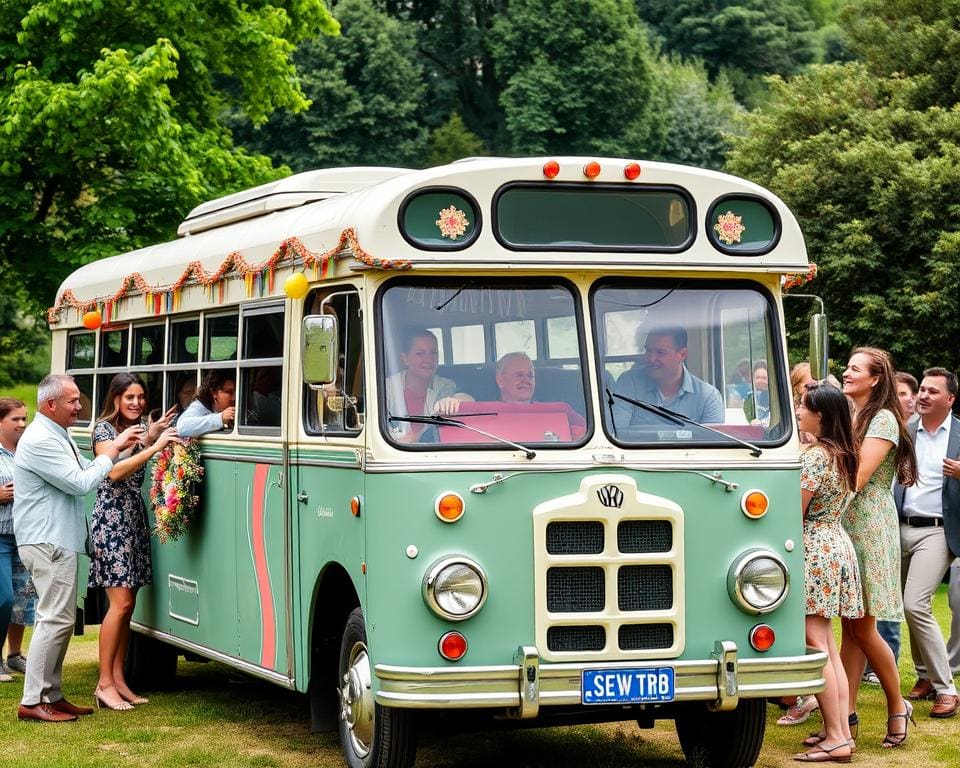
(214, 408)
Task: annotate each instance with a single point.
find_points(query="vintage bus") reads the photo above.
(391, 528)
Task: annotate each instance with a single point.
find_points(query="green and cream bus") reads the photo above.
(595, 551)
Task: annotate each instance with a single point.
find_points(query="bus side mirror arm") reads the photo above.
(819, 354)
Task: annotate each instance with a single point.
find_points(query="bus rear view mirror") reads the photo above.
(319, 353)
(819, 347)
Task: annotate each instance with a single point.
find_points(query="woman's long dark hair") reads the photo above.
(111, 410)
(884, 396)
(214, 380)
(836, 429)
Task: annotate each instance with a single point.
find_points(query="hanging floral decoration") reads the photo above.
(799, 278)
(259, 278)
(729, 227)
(452, 222)
(177, 474)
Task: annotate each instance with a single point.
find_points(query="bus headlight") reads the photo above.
(758, 581)
(455, 588)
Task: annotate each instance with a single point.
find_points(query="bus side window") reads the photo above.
(261, 369)
(338, 408)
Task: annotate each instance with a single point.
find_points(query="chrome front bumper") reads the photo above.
(526, 685)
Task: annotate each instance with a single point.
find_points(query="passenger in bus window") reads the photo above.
(417, 389)
(266, 403)
(186, 390)
(516, 378)
(756, 406)
(661, 378)
(120, 532)
(517, 382)
(213, 409)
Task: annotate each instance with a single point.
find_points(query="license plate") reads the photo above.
(626, 686)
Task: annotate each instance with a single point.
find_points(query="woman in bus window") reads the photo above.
(885, 450)
(831, 578)
(120, 534)
(417, 390)
(214, 408)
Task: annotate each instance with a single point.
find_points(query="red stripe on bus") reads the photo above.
(268, 645)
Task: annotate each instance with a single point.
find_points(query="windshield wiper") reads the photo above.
(444, 421)
(679, 418)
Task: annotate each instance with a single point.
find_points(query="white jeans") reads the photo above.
(54, 572)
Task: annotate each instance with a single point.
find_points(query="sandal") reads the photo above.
(816, 737)
(799, 712)
(824, 755)
(892, 740)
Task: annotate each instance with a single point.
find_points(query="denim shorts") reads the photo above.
(24, 595)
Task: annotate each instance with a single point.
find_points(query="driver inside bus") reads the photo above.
(417, 390)
(516, 378)
(661, 378)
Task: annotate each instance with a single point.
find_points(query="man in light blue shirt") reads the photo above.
(661, 378)
(51, 478)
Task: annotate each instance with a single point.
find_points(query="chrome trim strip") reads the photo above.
(449, 465)
(231, 661)
(352, 464)
(559, 684)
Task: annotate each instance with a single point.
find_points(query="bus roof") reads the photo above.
(357, 212)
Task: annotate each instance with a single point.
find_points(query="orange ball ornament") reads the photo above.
(92, 319)
(296, 285)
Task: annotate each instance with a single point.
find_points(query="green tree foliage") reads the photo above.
(452, 141)
(755, 36)
(872, 176)
(24, 342)
(578, 77)
(917, 38)
(109, 112)
(366, 88)
(454, 48)
(700, 115)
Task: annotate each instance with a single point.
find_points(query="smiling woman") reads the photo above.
(120, 534)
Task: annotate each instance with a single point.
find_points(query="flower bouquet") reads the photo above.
(177, 473)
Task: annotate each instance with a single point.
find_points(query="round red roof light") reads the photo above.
(551, 168)
(632, 171)
(592, 169)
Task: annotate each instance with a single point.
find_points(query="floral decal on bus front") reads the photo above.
(452, 222)
(729, 228)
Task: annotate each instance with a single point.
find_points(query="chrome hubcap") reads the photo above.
(356, 700)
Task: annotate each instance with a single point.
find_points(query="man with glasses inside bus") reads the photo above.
(661, 378)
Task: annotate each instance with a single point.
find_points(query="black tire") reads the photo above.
(149, 663)
(371, 735)
(722, 739)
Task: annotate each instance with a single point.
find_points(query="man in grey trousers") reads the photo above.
(51, 478)
(930, 534)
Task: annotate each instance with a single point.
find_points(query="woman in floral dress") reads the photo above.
(830, 575)
(120, 534)
(885, 450)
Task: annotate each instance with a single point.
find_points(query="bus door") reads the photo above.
(325, 463)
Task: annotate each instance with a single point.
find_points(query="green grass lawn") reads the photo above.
(212, 716)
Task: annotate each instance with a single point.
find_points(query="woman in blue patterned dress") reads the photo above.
(886, 450)
(120, 534)
(831, 578)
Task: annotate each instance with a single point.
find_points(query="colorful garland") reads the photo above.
(800, 278)
(177, 474)
(257, 277)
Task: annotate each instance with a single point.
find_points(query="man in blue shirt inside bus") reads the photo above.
(661, 378)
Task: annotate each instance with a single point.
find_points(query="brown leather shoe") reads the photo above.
(945, 705)
(62, 705)
(923, 689)
(43, 712)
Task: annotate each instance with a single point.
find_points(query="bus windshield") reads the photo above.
(502, 358)
(678, 354)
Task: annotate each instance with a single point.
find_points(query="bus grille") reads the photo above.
(610, 581)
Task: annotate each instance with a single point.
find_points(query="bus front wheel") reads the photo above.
(371, 735)
(722, 739)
